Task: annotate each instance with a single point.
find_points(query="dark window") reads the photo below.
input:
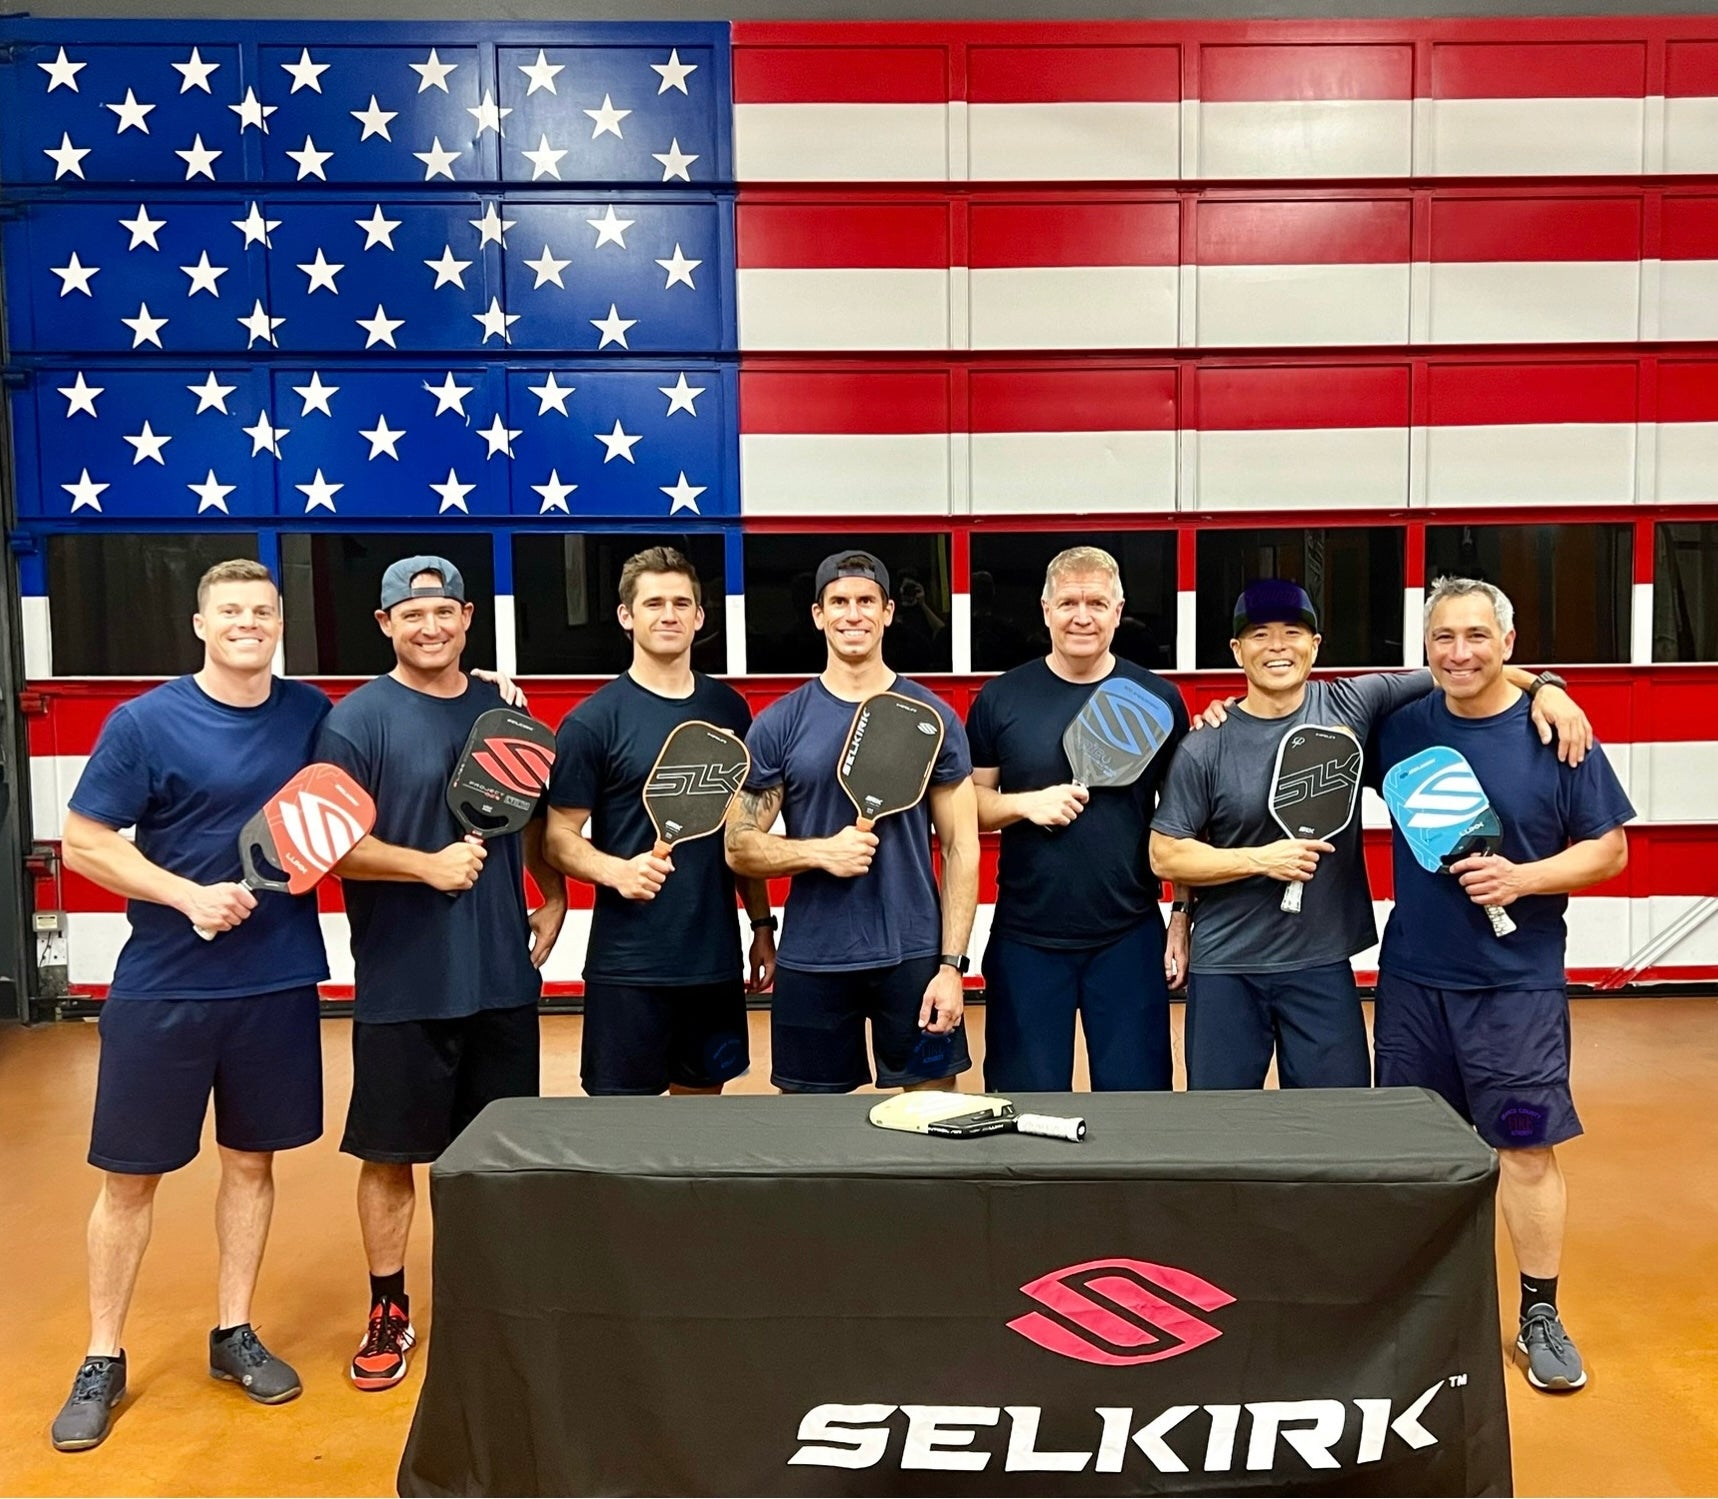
(1569, 584)
(333, 581)
(566, 588)
(1008, 583)
(780, 636)
(1353, 573)
(1685, 592)
(122, 605)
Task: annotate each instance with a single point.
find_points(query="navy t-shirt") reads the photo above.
(1436, 935)
(419, 953)
(1091, 882)
(606, 748)
(188, 773)
(892, 912)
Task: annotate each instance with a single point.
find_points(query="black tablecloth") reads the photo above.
(1214, 1293)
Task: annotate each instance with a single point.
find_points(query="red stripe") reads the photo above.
(1688, 391)
(1330, 231)
(840, 75)
(1691, 70)
(896, 235)
(1301, 397)
(1248, 74)
(1539, 70)
(1057, 75)
(1073, 400)
(1506, 394)
(1067, 233)
(1536, 229)
(1690, 230)
(846, 401)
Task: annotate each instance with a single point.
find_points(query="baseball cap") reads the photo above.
(850, 565)
(397, 581)
(1274, 601)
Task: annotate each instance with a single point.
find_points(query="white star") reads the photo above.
(452, 493)
(382, 438)
(432, 74)
(673, 72)
(550, 395)
(447, 269)
(610, 230)
(549, 269)
(448, 396)
(486, 114)
(195, 73)
(264, 437)
(142, 229)
(315, 395)
(684, 495)
(554, 493)
(211, 395)
(305, 73)
(63, 73)
(613, 328)
(374, 120)
(199, 159)
(681, 396)
(541, 73)
(380, 328)
(499, 437)
(679, 268)
(618, 443)
(67, 157)
(496, 323)
(607, 119)
(81, 396)
(252, 112)
(204, 276)
(256, 229)
(437, 162)
(85, 495)
(258, 324)
(319, 494)
(74, 276)
(212, 494)
(310, 160)
(144, 328)
(674, 162)
(378, 230)
(492, 227)
(149, 444)
(322, 272)
(131, 114)
(545, 160)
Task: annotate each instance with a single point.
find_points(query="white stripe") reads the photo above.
(843, 309)
(960, 633)
(1688, 299)
(1493, 302)
(1306, 138)
(1531, 464)
(1687, 462)
(506, 636)
(1537, 137)
(1302, 304)
(38, 637)
(53, 778)
(1186, 630)
(1640, 625)
(734, 606)
(840, 142)
(1074, 307)
(820, 476)
(1682, 781)
(1319, 468)
(1413, 629)
(1019, 473)
(958, 149)
(1691, 135)
(1073, 142)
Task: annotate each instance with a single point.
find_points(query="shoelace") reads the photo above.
(91, 1383)
(1543, 1329)
(387, 1324)
(249, 1349)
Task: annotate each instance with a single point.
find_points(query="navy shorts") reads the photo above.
(161, 1059)
(1031, 995)
(1311, 1016)
(817, 1030)
(639, 1038)
(1499, 1056)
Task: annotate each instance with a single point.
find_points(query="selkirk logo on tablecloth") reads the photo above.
(1116, 1312)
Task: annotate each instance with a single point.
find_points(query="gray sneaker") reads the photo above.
(243, 1359)
(1553, 1361)
(83, 1420)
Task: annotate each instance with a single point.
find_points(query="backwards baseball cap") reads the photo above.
(397, 581)
(1272, 601)
(850, 565)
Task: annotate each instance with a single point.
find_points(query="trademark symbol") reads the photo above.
(1457, 1381)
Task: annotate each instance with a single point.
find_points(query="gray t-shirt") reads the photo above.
(1218, 791)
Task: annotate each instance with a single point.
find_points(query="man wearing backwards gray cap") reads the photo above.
(445, 1008)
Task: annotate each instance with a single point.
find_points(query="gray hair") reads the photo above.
(1456, 588)
(1081, 560)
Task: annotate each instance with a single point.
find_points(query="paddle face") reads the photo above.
(1437, 802)
(694, 781)
(501, 773)
(305, 829)
(944, 1113)
(1116, 734)
(889, 753)
(1316, 782)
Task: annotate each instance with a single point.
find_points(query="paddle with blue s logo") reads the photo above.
(1442, 811)
(1116, 734)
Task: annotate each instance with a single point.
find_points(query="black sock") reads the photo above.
(223, 1333)
(393, 1287)
(1538, 1291)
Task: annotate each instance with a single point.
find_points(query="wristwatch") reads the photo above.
(1545, 679)
(1181, 908)
(766, 924)
(957, 961)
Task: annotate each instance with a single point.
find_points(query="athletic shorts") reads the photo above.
(639, 1038)
(417, 1083)
(817, 1030)
(1310, 1017)
(161, 1059)
(1499, 1056)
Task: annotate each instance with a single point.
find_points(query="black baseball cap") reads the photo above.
(850, 565)
(1273, 601)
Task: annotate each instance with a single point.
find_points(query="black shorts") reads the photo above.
(817, 1030)
(639, 1038)
(417, 1083)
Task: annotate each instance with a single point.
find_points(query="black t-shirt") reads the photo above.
(1088, 883)
(419, 953)
(606, 747)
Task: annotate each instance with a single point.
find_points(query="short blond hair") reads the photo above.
(657, 560)
(1081, 560)
(234, 570)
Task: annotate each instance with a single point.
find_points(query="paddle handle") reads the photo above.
(1051, 1126)
(660, 849)
(865, 824)
(1501, 925)
(208, 934)
(1291, 897)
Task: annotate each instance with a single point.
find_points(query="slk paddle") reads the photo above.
(694, 781)
(1313, 789)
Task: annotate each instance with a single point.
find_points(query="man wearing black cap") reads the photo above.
(445, 1008)
(867, 936)
(1262, 977)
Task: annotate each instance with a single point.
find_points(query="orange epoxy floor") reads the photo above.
(1639, 1279)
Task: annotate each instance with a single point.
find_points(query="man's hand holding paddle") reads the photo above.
(218, 908)
(457, 866)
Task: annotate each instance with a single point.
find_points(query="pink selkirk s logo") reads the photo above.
(1117, 1313)
(517, 764)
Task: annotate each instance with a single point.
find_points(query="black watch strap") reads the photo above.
(1546, 679)
(766, 924)
(956, 960)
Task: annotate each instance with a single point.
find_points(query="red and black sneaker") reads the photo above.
(380, 1361)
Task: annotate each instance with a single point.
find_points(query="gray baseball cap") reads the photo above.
(397, 581)
(854, 564)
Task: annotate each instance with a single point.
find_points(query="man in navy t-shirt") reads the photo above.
(867, 936)
(1076, 927)
(187, 764)
(1485, 1020)
(445, 955)
(665, 994)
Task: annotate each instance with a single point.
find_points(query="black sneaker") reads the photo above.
(242, 1358)
(1553, 1362)
(83, 1420)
